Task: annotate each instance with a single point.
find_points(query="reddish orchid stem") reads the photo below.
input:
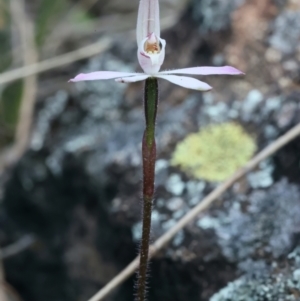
(149, 156)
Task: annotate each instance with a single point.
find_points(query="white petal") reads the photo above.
(186, 82)
(148, 19)
(100, 75)
(132, 79)
(206, 71)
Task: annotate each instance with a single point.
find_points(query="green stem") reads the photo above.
(149, 156)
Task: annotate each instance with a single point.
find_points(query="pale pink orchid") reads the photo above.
(151, 54)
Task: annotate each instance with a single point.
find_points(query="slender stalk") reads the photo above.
(149, 156)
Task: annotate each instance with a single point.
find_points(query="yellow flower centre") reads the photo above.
(152, 45)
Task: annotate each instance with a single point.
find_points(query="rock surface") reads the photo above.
(77, 189)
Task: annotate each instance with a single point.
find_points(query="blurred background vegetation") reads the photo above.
(51, 22)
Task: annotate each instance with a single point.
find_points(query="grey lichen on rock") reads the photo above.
(286, 31)
(282, 286)
(267, 226)
(214, 14)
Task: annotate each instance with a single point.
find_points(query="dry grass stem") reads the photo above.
(29, 53)
(58, 32)
(193, 213)
(17, 247)
(56, 62)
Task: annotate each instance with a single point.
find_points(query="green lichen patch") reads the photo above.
(215, 152)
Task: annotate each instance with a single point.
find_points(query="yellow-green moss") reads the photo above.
(215, 152)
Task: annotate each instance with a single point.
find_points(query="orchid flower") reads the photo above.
(151, 54)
